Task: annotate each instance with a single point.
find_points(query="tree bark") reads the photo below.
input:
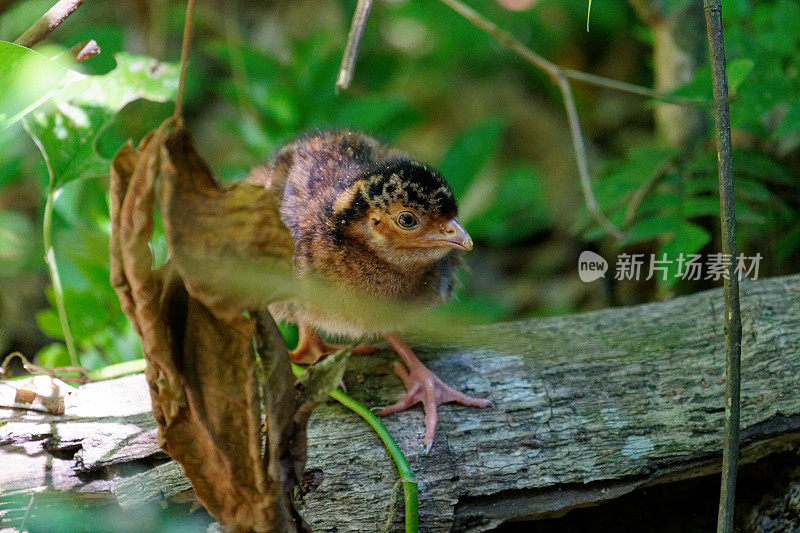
(588, 407)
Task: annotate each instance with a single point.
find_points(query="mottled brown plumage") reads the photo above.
(370, 221)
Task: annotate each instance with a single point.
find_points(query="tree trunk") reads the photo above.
(679, 48)
(587, 408)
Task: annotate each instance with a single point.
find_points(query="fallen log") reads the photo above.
(588, 407)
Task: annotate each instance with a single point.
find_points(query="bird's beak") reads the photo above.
(453, 235)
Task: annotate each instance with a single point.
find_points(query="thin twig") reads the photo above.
(83, 51)
(560, 77)
(625, 87)
(641, 193)
(56, 372)
(733, 318)
(588, 14)
(582, 160)
(237, 65)
(49, 21)
(505, 38)
(554, 70)
(187, 33)
(346, 69)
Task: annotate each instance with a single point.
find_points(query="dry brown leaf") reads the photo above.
(202, 367)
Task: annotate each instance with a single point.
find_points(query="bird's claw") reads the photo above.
(423, 386)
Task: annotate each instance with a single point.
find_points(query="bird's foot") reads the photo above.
(423, 386)
(311, 347)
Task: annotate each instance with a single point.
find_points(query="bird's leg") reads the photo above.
(311, 347)
(424, 386)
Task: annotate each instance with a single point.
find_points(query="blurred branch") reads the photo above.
(582, 160)
(350, 55)
(560, 77)
(625, 87)
(641, 193)
(85, 50)
(238, 70)
(733, 313)
(553, 70)
(49, 22)
(57, 372)
(187, 33)
(82, 51)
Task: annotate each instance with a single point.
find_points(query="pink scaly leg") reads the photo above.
(423, 386)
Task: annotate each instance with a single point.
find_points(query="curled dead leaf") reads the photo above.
(202, 367)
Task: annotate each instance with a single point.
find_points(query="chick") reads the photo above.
(371, 221)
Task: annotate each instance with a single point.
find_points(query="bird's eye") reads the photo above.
(406, 220)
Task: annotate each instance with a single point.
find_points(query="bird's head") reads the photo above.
(403, 211)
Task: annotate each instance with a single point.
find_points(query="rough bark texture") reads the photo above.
(588, 407)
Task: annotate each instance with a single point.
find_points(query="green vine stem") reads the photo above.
(52, 266)
(117, 370)
(406, 476)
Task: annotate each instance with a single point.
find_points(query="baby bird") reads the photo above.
(370, 221)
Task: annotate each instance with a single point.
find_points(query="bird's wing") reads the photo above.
(227, 241)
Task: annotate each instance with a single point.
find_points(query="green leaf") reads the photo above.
(16, 237)
(700, 86)
(650, 228)
(89, 315)
(134, 121)
(28, 79)
(289, 333)
(787, 244)
(49, 324)
(54, 355)
(753, 191)
(738, 70)
(517, 212)
(664, 199)
(66, 128)
(470, 153)
(689, 239)
(375, 114)
(790, 122)
(701, 207)
(761, 166)
(622, 177)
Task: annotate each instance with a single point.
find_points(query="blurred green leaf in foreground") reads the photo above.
(28, 79)
(66, 128)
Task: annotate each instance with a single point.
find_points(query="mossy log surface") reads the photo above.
(587, 407)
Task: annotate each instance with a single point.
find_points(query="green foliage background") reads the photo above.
(427, 81)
